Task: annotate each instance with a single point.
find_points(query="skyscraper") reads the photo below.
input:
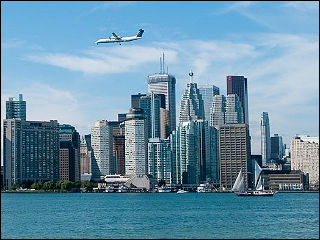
(16, 109)
(69, 153)
(234, 153)
(164, 83)
(217, 111)
(208, 92)
(30, 151)
(265, 138)
(191, 105)
(276, 147)
(118, 132)
(159, 160)
(238, 85)
(135, 100)
(101, 143)
(136, 143)
(85, 157)
(233, 113)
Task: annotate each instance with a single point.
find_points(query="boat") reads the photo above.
(123, 189)
(164, 190)
(240, 189)
(182, 191)
(202, 188)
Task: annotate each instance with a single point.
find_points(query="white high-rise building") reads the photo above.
(217, 110)
(136, 143)
(101, 143)
(265, 139)
(304, 152)
(208, 92)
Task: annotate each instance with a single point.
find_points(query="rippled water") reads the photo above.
(164, 215)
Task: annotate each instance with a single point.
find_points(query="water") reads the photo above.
(164, 215)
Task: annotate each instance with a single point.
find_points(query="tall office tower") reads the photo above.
(151, 105)
(118, 132)
(234, 111)
(136, 143)
(213, 170)
(101, 143)
(191, 106)
(164, 83)
(305, 157)
(69, 167)
(238, 85)
(265, 138)
(30, 151)
(85, 157)
(234, 153)
(164, 123)
(16, 109)
(135, 100)
(208, 92)
(217, 111)
(193, 153)
(276, 147)
(159, 159)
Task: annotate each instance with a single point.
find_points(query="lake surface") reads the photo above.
(158, 215)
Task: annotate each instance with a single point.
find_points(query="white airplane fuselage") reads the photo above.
(112, 39)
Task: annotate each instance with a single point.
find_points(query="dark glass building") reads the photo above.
(16, 109)
(238, 85)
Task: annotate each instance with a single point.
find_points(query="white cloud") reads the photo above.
(303, 5)
(111, 4)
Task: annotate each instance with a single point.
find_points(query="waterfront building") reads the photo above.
(16, 109)
(85, 157)
(305, 157)
(136, 142)
(265, 139)
(234, 154)
(30, 151)
(164, 83)
(191, 105)
(194, 153)
(238, 85)
(69, 166)
(118, 132)
(217, 111)
(208, 92)
(276, 148)
(159, 160)
(234, 112)
(102, 144)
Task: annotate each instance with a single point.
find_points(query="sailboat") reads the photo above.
(240, 188)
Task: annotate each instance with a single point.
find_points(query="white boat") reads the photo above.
(164, 190)
(240, 188)
(182, 191)
(109, 189)
(122, 189)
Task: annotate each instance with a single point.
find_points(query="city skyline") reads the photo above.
(60, 68)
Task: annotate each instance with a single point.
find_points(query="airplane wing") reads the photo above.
(116, 36)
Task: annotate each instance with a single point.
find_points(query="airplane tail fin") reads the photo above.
(139, 34)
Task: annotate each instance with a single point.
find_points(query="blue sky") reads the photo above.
(48, 54)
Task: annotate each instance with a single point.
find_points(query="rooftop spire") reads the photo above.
(191, 76)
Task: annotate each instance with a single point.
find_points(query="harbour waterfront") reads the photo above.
(162, 215)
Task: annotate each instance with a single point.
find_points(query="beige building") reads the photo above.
(305, 157)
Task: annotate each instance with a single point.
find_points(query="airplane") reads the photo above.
(116, 38)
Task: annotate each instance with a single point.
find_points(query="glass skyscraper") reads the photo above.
(16, 109)
(265, 139)
(238, 85)
(208, 92)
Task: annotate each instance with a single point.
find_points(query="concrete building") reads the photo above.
(208, 92)
(191, 105)
(234, 112)
(265, 139)
(30, 151)
(305, 157)
(159, 160)
(102, 146)
(234, 153)
(69, 167)
(16, 109)
(164, 83)
(136, 142)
